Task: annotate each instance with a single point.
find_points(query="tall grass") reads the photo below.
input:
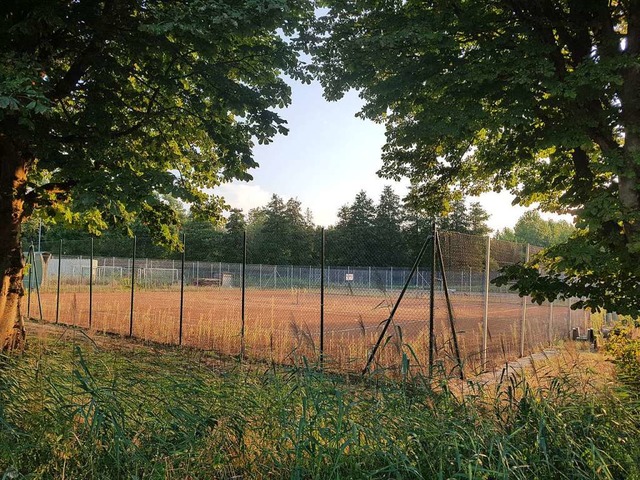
(72, 409)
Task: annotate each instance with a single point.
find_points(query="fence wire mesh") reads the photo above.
(123, 289)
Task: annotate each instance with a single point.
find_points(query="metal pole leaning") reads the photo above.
(184, 251)
(58, 283)
(432, 300)
(322, 264)
(35, 273)
(397, 304)
(452, 322)
(30, 262)
(244, 293)
(133, 283)
(485, 315)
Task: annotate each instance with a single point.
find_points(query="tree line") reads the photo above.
(389, 232)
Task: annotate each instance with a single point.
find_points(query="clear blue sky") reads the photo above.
(328, 156)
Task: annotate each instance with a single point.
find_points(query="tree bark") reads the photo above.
(629, 177)
(13, 186)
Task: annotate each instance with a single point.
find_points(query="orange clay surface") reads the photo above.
(281, 323)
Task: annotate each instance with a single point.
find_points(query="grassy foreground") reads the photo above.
(71, 408)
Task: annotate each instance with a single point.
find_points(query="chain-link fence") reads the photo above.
(282, 305)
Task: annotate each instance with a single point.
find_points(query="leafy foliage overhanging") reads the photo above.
(116, 104)
(541, 99)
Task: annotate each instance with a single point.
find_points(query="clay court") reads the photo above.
(281, 324)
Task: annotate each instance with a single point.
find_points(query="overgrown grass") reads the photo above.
(71, 409)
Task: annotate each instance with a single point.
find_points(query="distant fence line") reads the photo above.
(154, 273)
(264, 300)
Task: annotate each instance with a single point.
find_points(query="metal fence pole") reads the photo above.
(550, 322)
(244, 293)
(133, 283)
(184, 252)
(432, 301)
(322, 266)
(523, 320)
(485, 316)
(58, 283)
(91, 285)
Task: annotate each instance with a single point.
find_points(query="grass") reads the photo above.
(74, 407)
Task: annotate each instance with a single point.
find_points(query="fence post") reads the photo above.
(550, 322)
(58, 285)
(485, 315)
(244, 286)
(322, 268)
(523, 320)
(391, 274)
(432, 292)
(184, 253)
(133, 283)
(91, 285)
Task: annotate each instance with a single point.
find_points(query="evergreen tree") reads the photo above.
(391, 247)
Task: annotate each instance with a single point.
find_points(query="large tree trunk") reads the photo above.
(13, 178)
(629, 178)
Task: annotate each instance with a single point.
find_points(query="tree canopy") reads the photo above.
(533, 229)
(387, 233)
(107, 107)
(541, 99)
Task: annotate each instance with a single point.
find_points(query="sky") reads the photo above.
(328, 156)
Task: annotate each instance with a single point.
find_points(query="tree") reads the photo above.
(352, 240)
(281, 234)
(478, 218)
(533, 229)
(391, 245)
(107, 106)
(233, 240)
(457, 217)
(538, 98)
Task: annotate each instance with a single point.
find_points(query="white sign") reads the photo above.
(348, 277)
